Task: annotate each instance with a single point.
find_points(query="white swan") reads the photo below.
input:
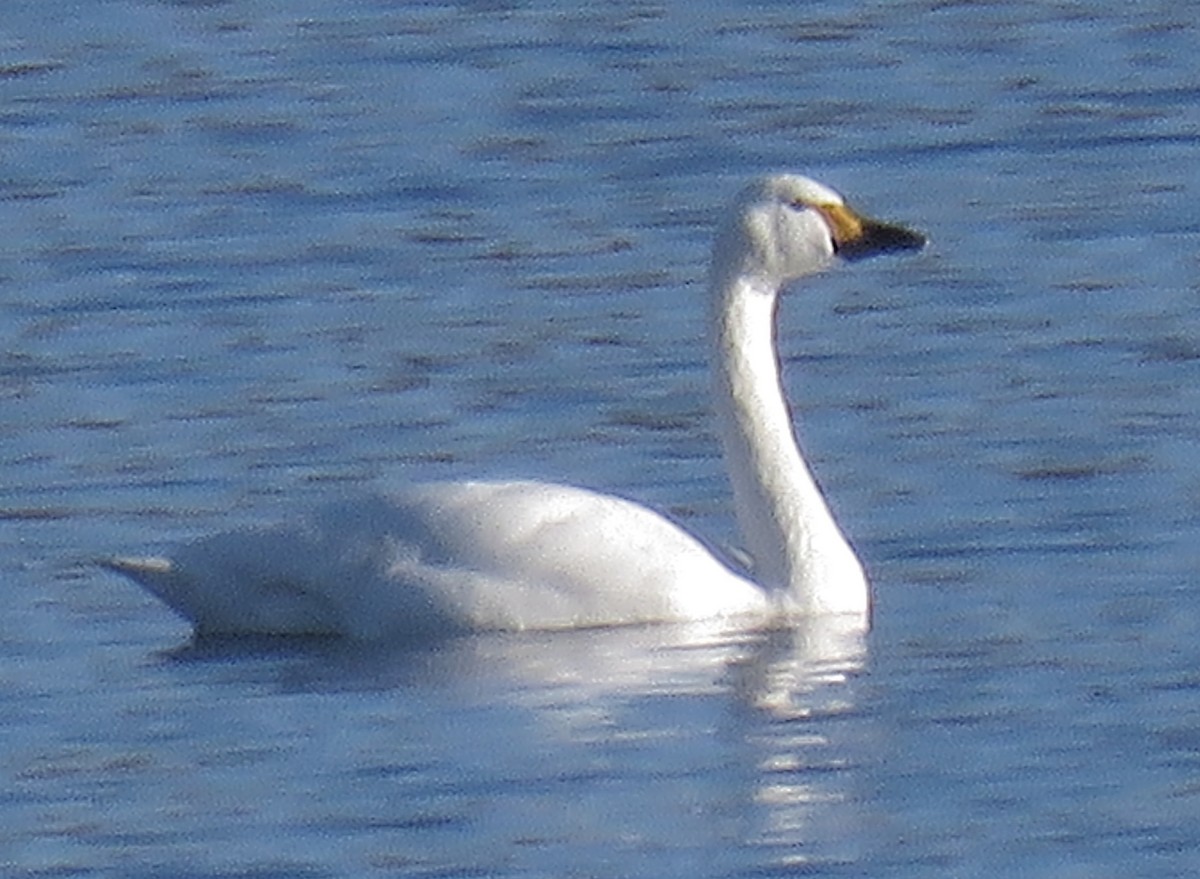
(522, 555)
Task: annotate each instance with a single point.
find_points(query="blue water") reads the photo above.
(255, 252)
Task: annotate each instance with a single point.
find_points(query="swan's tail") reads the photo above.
(156, 574)
(227, 605)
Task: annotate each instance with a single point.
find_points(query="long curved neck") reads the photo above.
(799, 551)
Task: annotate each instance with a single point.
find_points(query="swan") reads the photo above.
(515, 555)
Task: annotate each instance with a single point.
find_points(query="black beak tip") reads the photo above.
(880, 238)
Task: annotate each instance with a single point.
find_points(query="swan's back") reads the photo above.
(446, 556)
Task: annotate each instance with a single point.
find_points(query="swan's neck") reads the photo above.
(799, 551)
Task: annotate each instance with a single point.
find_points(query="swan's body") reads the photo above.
(522, 555)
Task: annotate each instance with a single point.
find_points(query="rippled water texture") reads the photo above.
(253, 253)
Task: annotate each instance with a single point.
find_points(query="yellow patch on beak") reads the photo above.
(846, 226)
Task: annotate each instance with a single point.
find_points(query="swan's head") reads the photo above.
(785, 226)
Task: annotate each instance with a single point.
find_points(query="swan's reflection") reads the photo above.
(777, 670)
(787, 672)
(659, 737)
(793, 670)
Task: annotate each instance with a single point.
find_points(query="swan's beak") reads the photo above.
(857, 237)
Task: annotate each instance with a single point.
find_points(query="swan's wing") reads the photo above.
(432, 558)
(519, 555)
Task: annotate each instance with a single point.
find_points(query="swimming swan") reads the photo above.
(453, 556)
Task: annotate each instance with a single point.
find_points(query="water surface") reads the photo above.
(254, 253)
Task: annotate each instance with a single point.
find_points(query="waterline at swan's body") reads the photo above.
(522, 555)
